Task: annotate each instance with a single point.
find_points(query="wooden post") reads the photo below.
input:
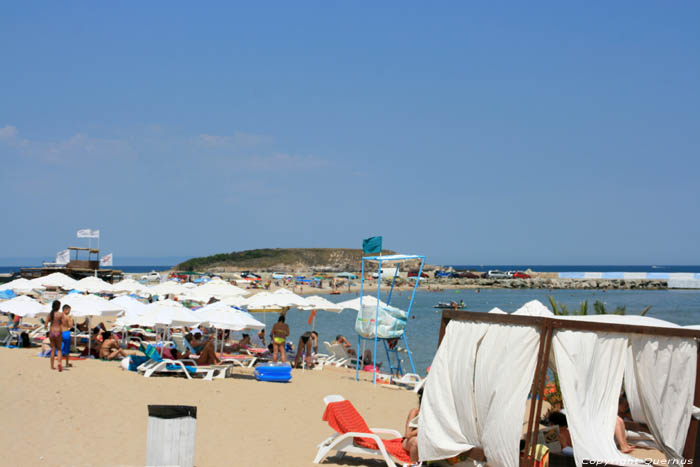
(171, 435)
(690, 451)
(531, 422)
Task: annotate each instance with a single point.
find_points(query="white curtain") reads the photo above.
(631, 388)
(477, 391)
(446, 424)
(505, 365)
(665, 369)
(590, 367)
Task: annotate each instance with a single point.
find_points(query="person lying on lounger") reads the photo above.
(110, 348)
(203, 347)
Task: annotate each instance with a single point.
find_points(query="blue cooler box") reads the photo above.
(274, 373)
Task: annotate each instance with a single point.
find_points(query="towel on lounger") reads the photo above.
(344, 418)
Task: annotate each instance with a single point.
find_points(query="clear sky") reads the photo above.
(517, 132)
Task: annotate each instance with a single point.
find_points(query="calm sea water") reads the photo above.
(678, 306)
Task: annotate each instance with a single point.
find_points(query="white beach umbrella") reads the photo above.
(237, 300)
(220, 288)
(93, 284)
(354, 304)
(23, 306)
(130, 305)
(21, 285)
(56, 279)
(89, 305)
(169, 313)
(317, 302)
(222, 316)
(167, 288)
(276, 300)
(128, 285)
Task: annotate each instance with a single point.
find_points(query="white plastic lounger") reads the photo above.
(345, 443)
(411, 380)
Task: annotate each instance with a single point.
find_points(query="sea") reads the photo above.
(678, 306)
(681, 306)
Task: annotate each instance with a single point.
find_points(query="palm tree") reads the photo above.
(598, 307)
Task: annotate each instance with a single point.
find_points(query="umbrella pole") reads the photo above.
(89, 340)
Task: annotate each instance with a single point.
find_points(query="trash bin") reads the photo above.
(171, 435)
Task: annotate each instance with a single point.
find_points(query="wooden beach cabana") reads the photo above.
(489, 364)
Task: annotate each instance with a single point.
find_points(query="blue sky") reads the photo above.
(546, 133)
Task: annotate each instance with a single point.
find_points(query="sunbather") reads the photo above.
(559, 419)
(410, 438)
(620, 432)
(54, 323)
(340, 339)
(203, 347)
(110, 349)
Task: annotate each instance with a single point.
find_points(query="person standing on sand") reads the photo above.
(279, 333)
(55, 321)
(66, 326)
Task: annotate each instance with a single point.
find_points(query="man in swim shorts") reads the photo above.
(66, 326)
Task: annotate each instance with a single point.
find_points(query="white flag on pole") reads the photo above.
(63, 257)
(87, 233)
(106, 260)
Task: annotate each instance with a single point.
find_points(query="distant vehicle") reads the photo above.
(281, 275)
(250, 275)
(520, 275)
(465, 275)
(442, 274)
(151, 276)
(414, 273)
(496, 274)
(346, 275)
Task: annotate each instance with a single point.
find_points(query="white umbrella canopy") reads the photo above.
(221, 288)
(21, 285)
(128, 285)
(222, 316)
(317, 302)
(167, 288)
(169, 313)
(130, 305)
(89, 305)
(93, 285)
(354, 304)
(56, 279)
(237, 300)
(23, 306)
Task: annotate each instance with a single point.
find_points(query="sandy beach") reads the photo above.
(96, 414)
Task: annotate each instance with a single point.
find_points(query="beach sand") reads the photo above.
(96, 414)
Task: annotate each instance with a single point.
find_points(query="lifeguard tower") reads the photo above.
(378, 321)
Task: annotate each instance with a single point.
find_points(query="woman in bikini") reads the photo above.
(55, 322)
(280, 331)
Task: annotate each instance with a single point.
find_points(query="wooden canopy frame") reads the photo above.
(547, 327)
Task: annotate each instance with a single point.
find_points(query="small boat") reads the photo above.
(455, 305)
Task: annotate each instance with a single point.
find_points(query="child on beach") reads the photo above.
(66, 326)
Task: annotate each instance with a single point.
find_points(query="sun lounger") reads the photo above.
(354, 436)
(411, 380)
(5, 336)
(339, 356)
(159, 365)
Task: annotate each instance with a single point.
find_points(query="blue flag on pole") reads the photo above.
(372, 245)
